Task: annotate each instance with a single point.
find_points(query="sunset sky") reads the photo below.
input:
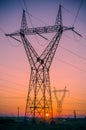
(69, 64)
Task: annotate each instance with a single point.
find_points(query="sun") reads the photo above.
(47, 114)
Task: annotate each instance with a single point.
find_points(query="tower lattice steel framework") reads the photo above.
(39, 100)
(60, 101)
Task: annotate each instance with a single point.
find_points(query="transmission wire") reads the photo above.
(76, 67)
(8, 39)
(77, 12)
(72, 52)
(31, 21)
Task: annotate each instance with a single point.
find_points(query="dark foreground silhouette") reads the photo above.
(13, 123)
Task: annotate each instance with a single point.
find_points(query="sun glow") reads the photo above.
(47, 114)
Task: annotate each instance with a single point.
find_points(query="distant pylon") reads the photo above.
(59, 100)
(18, 111)
(74, 112)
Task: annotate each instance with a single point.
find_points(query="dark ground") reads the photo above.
(13, 123)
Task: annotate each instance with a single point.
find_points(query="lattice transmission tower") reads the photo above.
(39, 99)
(60, 100)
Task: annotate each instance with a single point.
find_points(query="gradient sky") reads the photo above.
(69, 64)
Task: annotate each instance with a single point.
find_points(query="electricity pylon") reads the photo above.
(18, 112)
(59, 100)
(74, 112)
(39, 100)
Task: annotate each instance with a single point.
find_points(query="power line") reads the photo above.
(2, 31)
(74, 32)
(14, 91)
(8, 39)
(78, 99)
(77, 41)
(32, 24)
(76, 67)
(83, 58)
(11, 98)
(37, 18)
(28, 13)
(31, 14)
(77, 12)
(7, 88)
(13, 44)
(79, 56)
(67, 10)
(20, 3)
(1, 79)
(7, 74)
